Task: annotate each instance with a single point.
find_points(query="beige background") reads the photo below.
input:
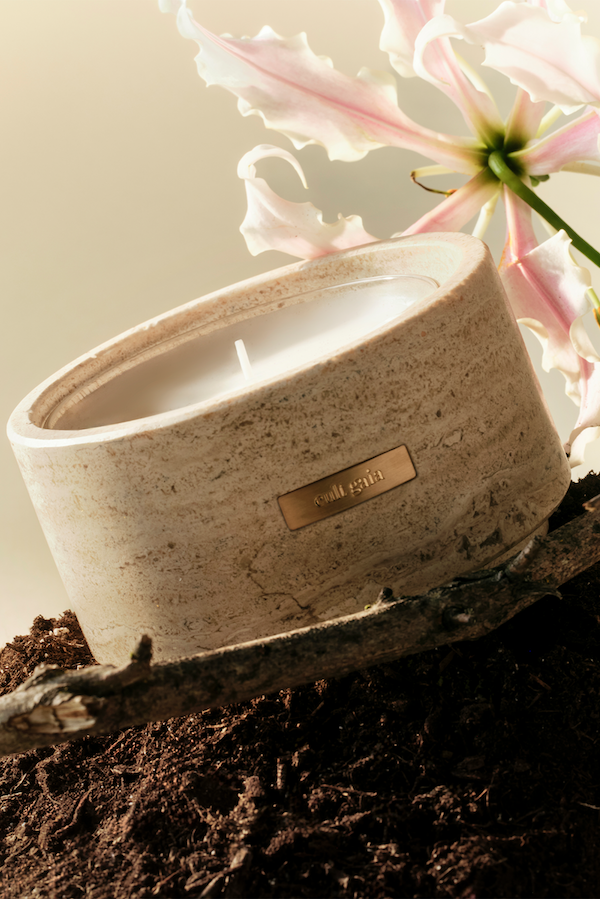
(120, 197)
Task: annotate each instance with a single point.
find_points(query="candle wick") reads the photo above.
(242, 353)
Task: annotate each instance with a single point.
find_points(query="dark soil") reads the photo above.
(472, 771)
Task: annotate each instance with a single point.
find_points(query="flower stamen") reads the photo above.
(485, 216)
(549, 119)
(432, 190)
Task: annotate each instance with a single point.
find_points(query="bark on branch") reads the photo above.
(54, 705)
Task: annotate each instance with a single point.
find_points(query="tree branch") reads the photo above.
(54, 705)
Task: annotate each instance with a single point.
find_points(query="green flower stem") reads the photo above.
(504, 173)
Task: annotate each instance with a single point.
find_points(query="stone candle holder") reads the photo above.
(410, 454)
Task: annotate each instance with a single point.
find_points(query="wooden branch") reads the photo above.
(53, 705)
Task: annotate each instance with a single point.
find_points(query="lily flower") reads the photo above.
(539, 46)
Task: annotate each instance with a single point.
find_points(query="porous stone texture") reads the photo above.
(170, 525)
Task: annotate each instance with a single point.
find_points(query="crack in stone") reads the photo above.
(253, 575)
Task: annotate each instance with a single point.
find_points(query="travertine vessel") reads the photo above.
(407, 456)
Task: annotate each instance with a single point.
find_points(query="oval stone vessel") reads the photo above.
(206, 504)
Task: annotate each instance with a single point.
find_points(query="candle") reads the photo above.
(275, 453)
(209, 366)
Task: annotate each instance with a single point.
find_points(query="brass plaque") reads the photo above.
(347, 488)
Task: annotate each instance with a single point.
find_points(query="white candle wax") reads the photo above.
(225, 361)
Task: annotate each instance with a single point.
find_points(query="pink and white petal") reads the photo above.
(459, 208)
(581, 341)
(520, 234)
(587, 427)
(436, 62)
(304, 97)
(246, 168)
(524, 119)
(549, 266)
(273, 223)
(575, 142)
(558, 9)
(547, 291)
(549, 59)
(403, 20)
